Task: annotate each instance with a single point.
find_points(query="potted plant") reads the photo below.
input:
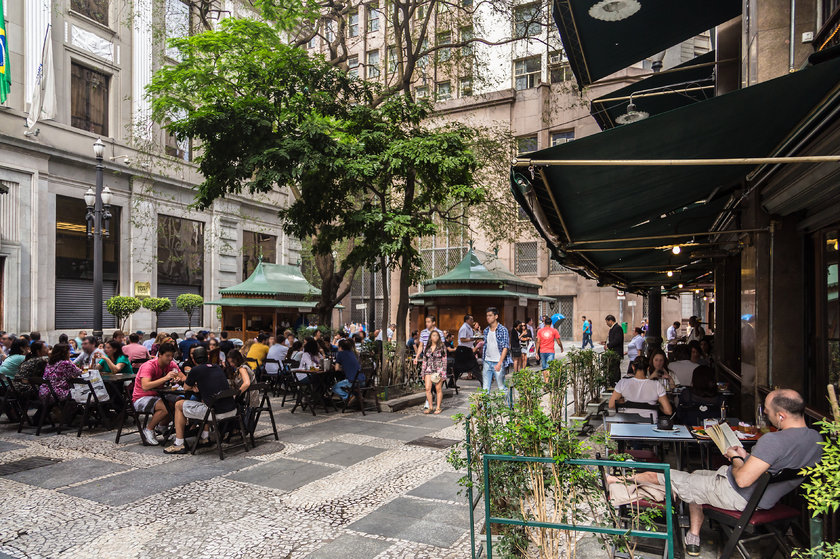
(189, 303)
(122, 307)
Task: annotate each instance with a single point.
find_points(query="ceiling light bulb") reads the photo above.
(680, 286)
(704, 298)
(698, 290)
(676, 249)
(670, 273)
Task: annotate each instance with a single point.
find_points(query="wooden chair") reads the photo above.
(752, 524)
(138, 418)
(216, 421)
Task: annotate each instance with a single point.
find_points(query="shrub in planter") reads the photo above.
(158, 305)
(189, 303)
(121, 307)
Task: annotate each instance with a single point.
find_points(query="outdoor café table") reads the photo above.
(318, 381)
(623, 417)
(707, 447)
(114, 385)
(647, 432)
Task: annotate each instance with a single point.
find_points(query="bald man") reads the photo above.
(793, 446)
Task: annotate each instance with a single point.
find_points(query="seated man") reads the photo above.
(349, 363)
(153, 374)
(206, 380)
(793, 446)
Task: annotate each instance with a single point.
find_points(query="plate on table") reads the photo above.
(672, 430)
(700, 433)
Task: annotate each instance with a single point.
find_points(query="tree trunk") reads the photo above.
(386, 319)
(402, 318)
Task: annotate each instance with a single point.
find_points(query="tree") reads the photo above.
(189, 303)
(268, 117)
(121, 307)
(157, 305)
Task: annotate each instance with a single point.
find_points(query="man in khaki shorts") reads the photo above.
(793, 446)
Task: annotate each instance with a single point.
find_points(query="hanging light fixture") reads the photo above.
(680, 286)
(676, 249)
(632, 115)
(670, 273)
(614, 10)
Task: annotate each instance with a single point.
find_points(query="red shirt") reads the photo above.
(546, 335)
(152, 371)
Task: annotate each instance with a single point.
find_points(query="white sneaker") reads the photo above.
(426, 405)
(149, 435)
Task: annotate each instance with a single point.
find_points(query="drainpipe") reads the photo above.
(791, 67)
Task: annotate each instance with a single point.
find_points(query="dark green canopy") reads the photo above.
(604, 36)
(574, 204)
(682, 85)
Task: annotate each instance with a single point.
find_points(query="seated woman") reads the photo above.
(32, 366)
(17, 354)
(114, 361)
(310, 359)
(58, 372)
(658, 370)
(241, 376)
(641, 391)
(702, 400)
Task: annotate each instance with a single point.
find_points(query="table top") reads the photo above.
(622, 417)
(118, 377)
(646, 431)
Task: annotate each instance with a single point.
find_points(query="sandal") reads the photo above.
(427, 411)
(437, 411)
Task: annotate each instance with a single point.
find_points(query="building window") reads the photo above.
(353, 64)
(527, 144)
(88, 99)
(393, 59)
(180, 263)
(373, 64)
(423, 61)
(443, 250)
(360, 291)
(465, 87)
(467, 36)
(313, 42)
(174, 147)
(420, 12)
(555, 267)
(74, 265)
(373, 17)
(525, 258)
(558, 138)
(421, 92)
(330, 31)
(443, 91)
(560, 73)
(254, 247)
(526, 72)
(177, 24)
(526, 20)
(466, 3)
(97, 10)
(353, 24)
(444, 38)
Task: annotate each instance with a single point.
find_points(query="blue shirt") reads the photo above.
(503, 340)
(587, 327)
(350, 365)
(185, 345)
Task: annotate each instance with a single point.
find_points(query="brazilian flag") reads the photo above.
(5, 73)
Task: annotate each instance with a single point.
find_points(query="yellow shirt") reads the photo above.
(258, 352)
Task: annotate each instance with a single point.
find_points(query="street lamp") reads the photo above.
(98, 217)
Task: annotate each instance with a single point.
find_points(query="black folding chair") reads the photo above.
(360, 390)
(94, 411)
(753, 524)
(287, 380)
(42, 407)
(138, 418)
(254, 413)
(11, 401)
(226, 419)
(273, 379)
(136, 364)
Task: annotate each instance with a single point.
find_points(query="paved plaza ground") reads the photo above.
(339, 486)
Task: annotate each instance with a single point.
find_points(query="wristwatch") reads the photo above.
(734, 457)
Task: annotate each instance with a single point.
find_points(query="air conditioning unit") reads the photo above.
(556, 58)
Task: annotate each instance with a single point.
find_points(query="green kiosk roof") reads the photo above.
(472, 270)
(273, 279)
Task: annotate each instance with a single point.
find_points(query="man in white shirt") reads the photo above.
(277, 351)
(466, 333)
(496, 351)
(671, 333)
(390, 334)
(150, 342)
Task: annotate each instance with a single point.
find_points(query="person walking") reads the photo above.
(615, 342)
(496, 351)
(434, 369)
(587, 334)
(546, 337)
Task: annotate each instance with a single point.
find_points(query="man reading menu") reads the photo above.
(793, 446)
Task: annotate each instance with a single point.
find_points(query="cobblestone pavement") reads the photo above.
(339, 486)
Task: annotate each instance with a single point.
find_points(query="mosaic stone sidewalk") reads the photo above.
(339, 486)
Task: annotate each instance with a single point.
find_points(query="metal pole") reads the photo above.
(654, 332)
(372, 302)
(467, 421)
(676, 162)
(97, 252)
(488, 527)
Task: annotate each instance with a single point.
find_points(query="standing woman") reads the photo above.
(516, 345)
(525, 339)
(659, 371)
(434, 369)
(114, 361)
(58, 372)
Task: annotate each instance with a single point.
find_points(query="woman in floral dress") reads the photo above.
(434, 363)
(58, 372)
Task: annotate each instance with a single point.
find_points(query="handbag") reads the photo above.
(436, 378)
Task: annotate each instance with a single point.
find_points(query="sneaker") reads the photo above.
(161, 429)
(149, 435)
(692, 549)
(172, 449)
(202, 443)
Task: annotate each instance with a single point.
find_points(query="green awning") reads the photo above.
(273, 279)
(682, 85)
(602, 37)
(267, 303)
(477, 293)
(603, 203)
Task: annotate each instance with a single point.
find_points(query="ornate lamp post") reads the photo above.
(98, 217)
